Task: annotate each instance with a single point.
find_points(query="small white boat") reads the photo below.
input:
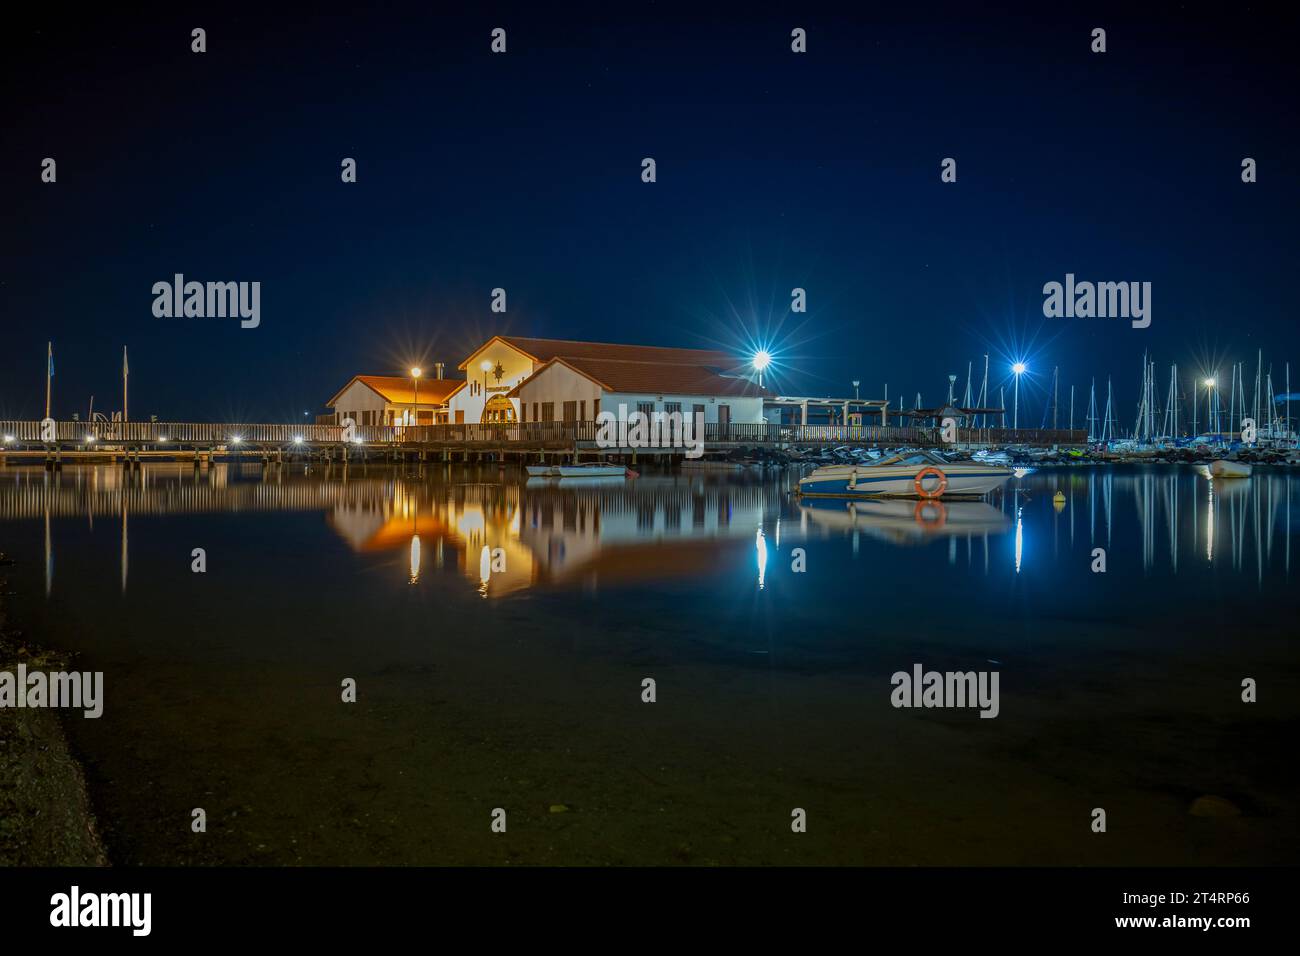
(591, 469)
(1229, 469)
(594, 469)
(915, 474)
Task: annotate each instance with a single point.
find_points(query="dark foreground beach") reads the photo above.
(45, 815)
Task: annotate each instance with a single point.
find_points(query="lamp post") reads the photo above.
(761, 361)
(856, 383)
(486, 366)
(1019, 369)
(416, 372)
(1211, 406)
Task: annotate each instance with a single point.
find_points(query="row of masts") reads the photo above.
(1160, 415)
(1156, 422)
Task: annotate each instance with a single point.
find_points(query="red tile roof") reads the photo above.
(543, 350)
(653, 378)
(400, 390)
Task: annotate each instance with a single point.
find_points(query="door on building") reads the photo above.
(724, 418)
(460, 416)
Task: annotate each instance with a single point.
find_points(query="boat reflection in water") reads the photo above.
(905, 522)
(501, 535)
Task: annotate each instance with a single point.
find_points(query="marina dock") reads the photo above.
(517, 441)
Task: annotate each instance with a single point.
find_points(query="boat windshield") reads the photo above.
(907, 458)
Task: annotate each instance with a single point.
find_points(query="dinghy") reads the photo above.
(591, 469)
(1229, 469)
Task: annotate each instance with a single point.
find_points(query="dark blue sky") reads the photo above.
(522, 171)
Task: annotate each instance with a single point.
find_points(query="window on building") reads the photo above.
(671, 407)
(646, 408)
(570, 412)
(535, 418)
(582, 411)
(548, 411)
(595, 408)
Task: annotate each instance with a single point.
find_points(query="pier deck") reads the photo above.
(139, 441)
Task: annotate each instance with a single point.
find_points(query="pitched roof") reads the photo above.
(400, 390)
(543, 350)
(653, 378)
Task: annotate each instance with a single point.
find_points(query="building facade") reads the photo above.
(393, 400)
(512, 378)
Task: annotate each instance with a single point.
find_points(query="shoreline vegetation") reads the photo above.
(45, 810)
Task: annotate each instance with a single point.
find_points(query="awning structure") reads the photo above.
(845, 406)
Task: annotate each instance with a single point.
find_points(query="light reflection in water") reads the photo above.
(671, 527)
(1020, 536)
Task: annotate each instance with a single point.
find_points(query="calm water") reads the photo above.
(499, 633)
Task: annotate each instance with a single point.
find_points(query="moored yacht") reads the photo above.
(911, 474)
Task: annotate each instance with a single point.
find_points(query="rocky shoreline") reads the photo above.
(45, 812)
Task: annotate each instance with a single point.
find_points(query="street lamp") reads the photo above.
(762, 359)
(486, 366)
(1019, 369)
(856, 383)
(1211, 405)
(415, 374)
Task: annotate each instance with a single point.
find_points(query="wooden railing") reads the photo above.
(163, 434)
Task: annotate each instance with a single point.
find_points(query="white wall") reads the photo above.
(560, 384)
(358, 398)
(471, 399)
(743, 410)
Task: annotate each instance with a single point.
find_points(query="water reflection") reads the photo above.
(503, 536)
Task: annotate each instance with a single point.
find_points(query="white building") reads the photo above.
(393, 400)
(511, 378)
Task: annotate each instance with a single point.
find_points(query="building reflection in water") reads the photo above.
(505, 536)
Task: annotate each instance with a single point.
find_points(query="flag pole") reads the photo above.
(49, 374)
(125, 372)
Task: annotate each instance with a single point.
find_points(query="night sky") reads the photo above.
(523, 171)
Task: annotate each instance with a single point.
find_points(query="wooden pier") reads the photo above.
(132, 443)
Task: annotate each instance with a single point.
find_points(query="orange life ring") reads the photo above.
(925, 473)
(935, 524)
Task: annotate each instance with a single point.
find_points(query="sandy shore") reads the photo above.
(45, 813)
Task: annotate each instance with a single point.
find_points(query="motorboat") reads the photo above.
(911, 474)
(1223, 468)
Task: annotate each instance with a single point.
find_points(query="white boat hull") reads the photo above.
(1229, 469)
(576, 471)
(964, 479)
